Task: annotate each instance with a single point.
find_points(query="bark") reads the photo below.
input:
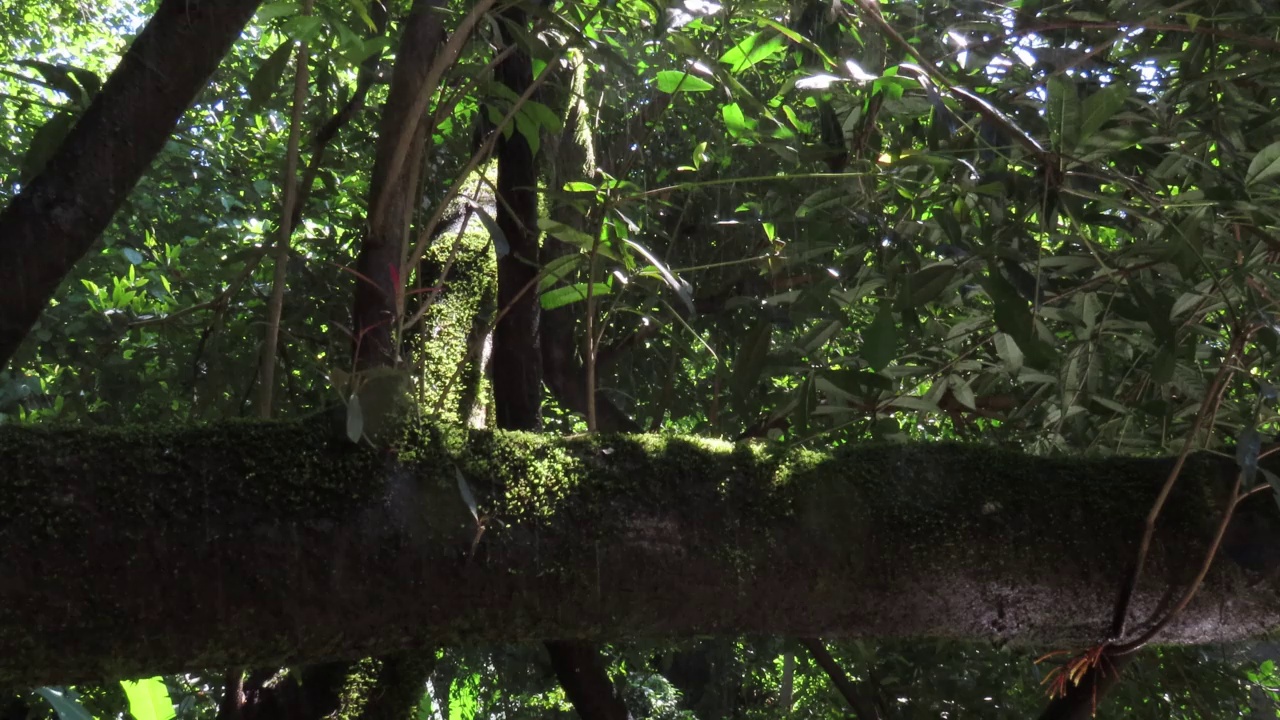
(855, 694)
(582, 673)
(517, 367)
(379, 283)
(54, 220)
(399, 686)
(132, 552)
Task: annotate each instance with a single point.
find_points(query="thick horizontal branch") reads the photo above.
(135, 551)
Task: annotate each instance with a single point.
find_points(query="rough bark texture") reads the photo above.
(517, 367)
(584, 677)
(55, 219)
(138, 551)
(379, 285)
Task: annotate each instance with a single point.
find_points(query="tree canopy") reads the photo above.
(381, 341)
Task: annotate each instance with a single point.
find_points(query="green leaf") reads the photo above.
(303, 28)
(880, 339)
(1009, 352)
(65, 703)
(749, 364)
(559, 269)
(361, 7)
(1063, 112)
(1100, 107)
(544, 116)
(734, 120)
(501, 247)
(271, 11)
(148, 699)
(751, 51)
(681, 289)
(1265, 165)
(561, 296)
(927, 284)
(1013, 316)
(355, 419)
(565, 233)
(45, 143)
(266, 80)
(963, 393)
(798, 39)
(855, 382)
(468, 497)
(60, 77)
(674, 81)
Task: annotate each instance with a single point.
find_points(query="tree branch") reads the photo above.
(54, 220)
(270, 544)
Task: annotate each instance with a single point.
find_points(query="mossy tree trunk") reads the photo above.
(131, 552)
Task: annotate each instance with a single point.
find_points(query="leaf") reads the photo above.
(1009, 352)
(799, 39)
(303, 28)
(544, 116)
(853, 382)
(271, 11)
(266, 80)
(149, 699)
(1013, 316)
(361, 8)
(133, 256)
(1100, 107)
(1247, 450)
(1265, 165)
(751, 51)
(1063, 112)
(734, 120)
(576, 237)
(814, 341)
(65, 703)
(468, 497)
(681, 289)
(749, 363)
(911, 402)
(570, 294)
(355, 419)
(45, 143)
(927, 284)
(60, 77)
(528, 129)
(559, 269)
(501, 248)
(1273, 480)
(963, 393)
(880, 340)
(674, 81)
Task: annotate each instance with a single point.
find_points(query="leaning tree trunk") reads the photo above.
(58, 215)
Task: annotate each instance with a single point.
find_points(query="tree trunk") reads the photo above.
(55, 218)
(138, 551)
(381, 274)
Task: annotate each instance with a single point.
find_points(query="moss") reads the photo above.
(732, 521)
(454, 326)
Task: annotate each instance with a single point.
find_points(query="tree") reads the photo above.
(825, 230)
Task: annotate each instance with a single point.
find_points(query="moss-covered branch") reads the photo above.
(134, 551)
